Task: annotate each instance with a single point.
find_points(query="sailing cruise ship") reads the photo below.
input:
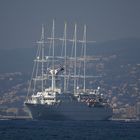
(57, 89)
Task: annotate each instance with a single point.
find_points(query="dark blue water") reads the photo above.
(68, 130)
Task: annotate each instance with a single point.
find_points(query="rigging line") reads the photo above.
(63, 43)
(62, 48)
(37, 65)
(50, 47)
(30, 83)
(80, 65)
(71, 64)
(62, 51)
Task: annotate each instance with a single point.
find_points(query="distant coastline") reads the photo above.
(14, 117)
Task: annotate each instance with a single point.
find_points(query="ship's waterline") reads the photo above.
(69, 111)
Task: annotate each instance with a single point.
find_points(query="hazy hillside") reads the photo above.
(119, 67)
(127, 49)
(20, 59)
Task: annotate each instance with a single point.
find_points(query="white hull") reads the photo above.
(68, 111)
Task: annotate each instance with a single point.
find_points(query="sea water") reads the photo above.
(68, 130)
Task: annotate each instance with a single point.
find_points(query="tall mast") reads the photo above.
(65, 44)
(75, 55)
(53, 74)
(53, 43)
(42, 52)
(84, 41)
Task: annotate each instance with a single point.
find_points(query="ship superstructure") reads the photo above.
(57, 90)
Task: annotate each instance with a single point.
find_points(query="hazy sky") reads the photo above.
(21, 20)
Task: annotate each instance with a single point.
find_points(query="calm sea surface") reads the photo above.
(68, 130)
